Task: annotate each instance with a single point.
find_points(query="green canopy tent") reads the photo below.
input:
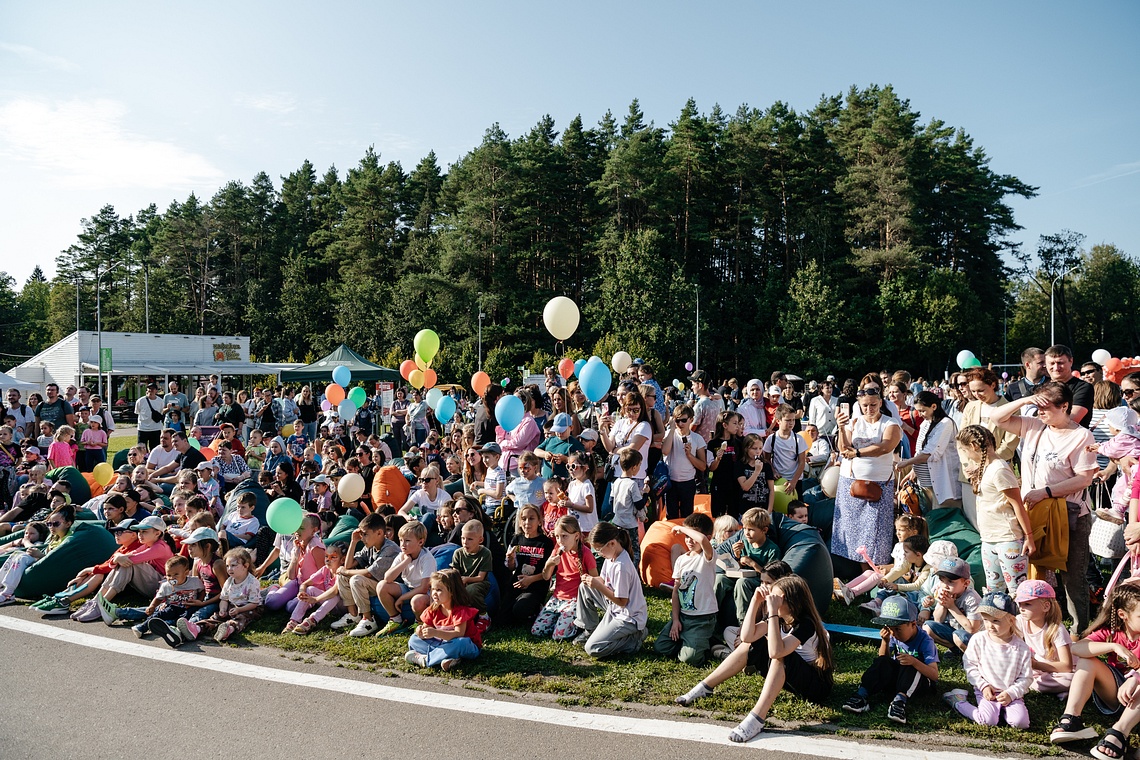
(321, 370)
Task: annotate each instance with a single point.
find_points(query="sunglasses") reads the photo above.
(1128, 392)
(682, 420)
(872, 391)
(578, 467)
(426, 480)
(963, 385)
(54, 523)
(1088, 373)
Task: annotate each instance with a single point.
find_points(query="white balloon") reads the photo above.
(829, 481)
(433, 398)
(351, 486)
(561, 317)
(1101, 356)
(621, 361)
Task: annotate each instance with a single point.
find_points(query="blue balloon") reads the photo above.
(578, 367)
(595, 381)
(347, 410)
(342, 376)
(509, 412)
(595, 358)
(445, 409)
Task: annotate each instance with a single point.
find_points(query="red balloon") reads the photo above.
(406, 368)
(566, 368)
(1113, 365)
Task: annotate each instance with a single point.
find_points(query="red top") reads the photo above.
(434, 618)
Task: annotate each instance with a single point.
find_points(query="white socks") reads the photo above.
(748, 729)
(693, 694)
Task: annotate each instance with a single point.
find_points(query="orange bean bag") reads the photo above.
(96, 489)
(656, 552)
(390, 487)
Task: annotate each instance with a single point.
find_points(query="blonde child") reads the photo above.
(752, 548)
(999, 665)
(627, 498)
(209, 486)
(256, 451)
(448, 632)
(755, 476)
(723, 528)
(175, 597)
(581, 498)
(239, 606)
(783, 638)
(1114, 636)
(617, 592)
(905, 526)
(527, 487)
(1003, 521)
(473, 562)
(408, 580)
(555, 505)
(318, 596)
(688, 634)
(61, 452)
(1048, 639)
(938, 551)
(570, 561)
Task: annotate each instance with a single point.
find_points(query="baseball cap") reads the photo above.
(589, 434)
(492, 448)
(154, 521)
(201, 534)
(774, 390)
(122, 525)
(938, 551)
(125, 469)
(896, 610)
(562, 422)
(320, 479)
(953, 567)
(700, 376)
(997, 603)
(204, 465)
(34, 450)
(831, 378)
(1030, 590)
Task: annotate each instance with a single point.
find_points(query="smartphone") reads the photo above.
(846, 407)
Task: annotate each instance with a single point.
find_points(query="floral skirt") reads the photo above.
(869, 524)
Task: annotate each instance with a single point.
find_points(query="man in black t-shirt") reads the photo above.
(1059, 365)
(188, 456)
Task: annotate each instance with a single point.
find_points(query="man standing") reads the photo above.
(704, 410)
(1033, 360)
(148, 410)
(1059, 365)
(174, 399)
(102, 412)
(25, 417)
(55, 410)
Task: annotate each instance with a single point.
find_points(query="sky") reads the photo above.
(139, 103)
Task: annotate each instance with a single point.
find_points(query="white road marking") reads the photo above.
(615, 724)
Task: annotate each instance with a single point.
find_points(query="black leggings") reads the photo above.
(800, 678)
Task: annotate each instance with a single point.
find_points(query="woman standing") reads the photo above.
(633, 429)
(560, 404)
(417, 423)
(1057, 462)
(982, 385)
(908, 419)
(307, 411)
(936, 463)
(485, 422)
(821, 411)
(865, 496)
(958, 395)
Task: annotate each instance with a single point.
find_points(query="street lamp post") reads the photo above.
(481, 315)
(99, 318)
(1052, 315)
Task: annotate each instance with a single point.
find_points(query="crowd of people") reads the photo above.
(541, 525)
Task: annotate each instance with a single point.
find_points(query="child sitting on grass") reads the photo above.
(473, 562)
(907, 664)
(447, 632)
(239, 606)
(408, 580)
(688, 635)
(753, 550)
(955, 618)
(175, 598)
(317, 593)
(369, 556)
(1046, 636)
(617, 592)
(905, 526)
(905, 577)
(570, 562)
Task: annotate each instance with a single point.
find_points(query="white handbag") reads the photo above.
(1106, 539)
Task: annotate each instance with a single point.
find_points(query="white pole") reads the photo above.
(697, 358)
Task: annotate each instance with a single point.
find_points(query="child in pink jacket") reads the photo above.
(1124, 426)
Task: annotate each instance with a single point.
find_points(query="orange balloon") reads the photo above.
(208, 453)
(429, 378)
(406, 368)
(1113, 365)
(480, 381)
(416, 378)
(566, 368)
(334, 394)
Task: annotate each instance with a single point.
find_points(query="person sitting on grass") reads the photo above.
(754, 551)
(907, 664)
(408, 580)
(240, 604)
(448, 632)
(473, 562)
(955, 618)
(688, 634)
(318, 596)
(143, 569)
(369, 556)
(570, 561)
(790, 647)
(617, 592)
(175, 598)
(526, 557)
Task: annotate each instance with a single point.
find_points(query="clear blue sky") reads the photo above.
(133, 103)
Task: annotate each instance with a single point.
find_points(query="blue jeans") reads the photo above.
(438, 650)
(311, 431)
(202, 613)
(947, 633)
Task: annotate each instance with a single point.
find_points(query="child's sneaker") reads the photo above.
(896, 711)
(160, 627)
(55, 608)
(225, 630)
(449, 664)
(720, 651)
(46, 600)
(87, 613)
(415, 658)
(365, 628)
(6, 599)
(141, 629)
(392, 626)
(857, 704)
(346, 621)
(108, 610)
(188, 629)
(846, 594)
(581, 639)
(955, 697)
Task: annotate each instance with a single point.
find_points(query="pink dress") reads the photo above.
(61, 454)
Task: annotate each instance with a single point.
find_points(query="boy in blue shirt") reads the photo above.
(907, 663)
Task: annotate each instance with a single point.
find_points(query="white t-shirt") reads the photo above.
(785, 453)
(680, 468)
(862, 433)
(996, 520)
(240, 526)
(424, 502)
(622, 578)
(421, 567)
(695, 579)
(143, 408)
(622, 435)
(160, 457)
(577, 491)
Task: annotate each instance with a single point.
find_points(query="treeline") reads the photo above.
(847, 237)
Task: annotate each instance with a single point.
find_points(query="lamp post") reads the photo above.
(481, 315)
(697, 358)
(99, 317)
(1052, 315)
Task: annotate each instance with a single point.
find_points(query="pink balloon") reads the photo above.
(689, 366)
(326, 405)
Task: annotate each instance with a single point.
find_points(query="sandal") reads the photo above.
(303, 627)
(290, 627)
(1106, 751)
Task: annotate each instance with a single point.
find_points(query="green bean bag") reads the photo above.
(80, 490)
(821, 514)
(802, 547)
(454, 488)
(120, 458)
(342, 531)
(950, 524)
(259, 509)
(89, 544)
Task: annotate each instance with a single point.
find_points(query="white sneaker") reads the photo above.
(415, 658)
(347, 620)
(364, 628)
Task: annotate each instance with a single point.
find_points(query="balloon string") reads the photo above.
(559, 349)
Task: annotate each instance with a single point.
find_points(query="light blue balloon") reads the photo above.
(509, 412)
(578, 367)
(445, 410)
(595, 381)
(434, 396)
(595, 358)
(342, 376)
(346, 410)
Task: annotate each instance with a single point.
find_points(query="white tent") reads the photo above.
(7, 381)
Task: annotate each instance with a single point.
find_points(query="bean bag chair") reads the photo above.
(453, 488)
(821, 514)
(80, 491)
(120, 458)
(89, 544)
(802, 547)
(342, 530)
(656, 547)
(390, 487)
(950, 524)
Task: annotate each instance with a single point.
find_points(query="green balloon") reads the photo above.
(194, 442)
(426, 344)
(358, 396)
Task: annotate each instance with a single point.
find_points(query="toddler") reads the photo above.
(240, 603)
(94, 440)
(318, 593)
(1124, 426)
(174, 599)
(255, 452)
(723, 528)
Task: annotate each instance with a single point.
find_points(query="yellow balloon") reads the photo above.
(421, 363)
(103, 473)
(416, 378)
(287, 431)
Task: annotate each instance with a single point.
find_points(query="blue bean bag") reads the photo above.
(803, 548)
(89, 544)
